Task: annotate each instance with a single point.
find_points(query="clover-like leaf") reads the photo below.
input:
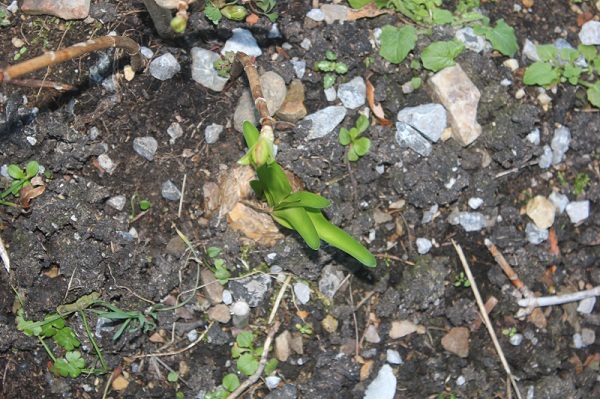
(344, 137)
(439, 55)
(31, 169)
(71, 365)
(352, 155)
(396, 43)
(213, 252)
(362, 123)
(328, 80)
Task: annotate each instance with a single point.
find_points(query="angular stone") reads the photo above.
(282, 346)
(74, 9)
(220, 313)
(212, 288)
(353, 94)
(335, 12)
(428, 119)
(329, 324)
(242, 40)
(293, 109)
(164, 67)
(245, 111)
(590, 33)
(323, 122)
(541, 211)
(460, 97)
(402, 329)
(409, 137)
(383, 386)
(170, 191)
(252, 289)
(457, 341)
(274, 91)
(145, 146)
(371, 335)
(578, 211)
(203, 71)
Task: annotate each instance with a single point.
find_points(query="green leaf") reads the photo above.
(396, 43)
(251, 133)
(361, 146)
(276, 184)
(172, 376)
(15, 172)
(362, 123)
(305, 199)
(70, 366)
(337, 237)
(301, 222)
(588, 52)
(32, 169)
(234, 13)
(245, 339)
(213, 252)
(231, 382)
(572, 73)
(344, 137)
(247, 364)
(144, 205)
(568, 54)
(258, 188)
(540, 73)
(503, 38)
(324, 66)
(66, 338)
(223, 275)
(441, 17)
(328, 80)
(52, 325)
(593, 94)
(439, 55)
(330, 55)
(236, 351)
(271, 366)
(28, 327)
(212, 13)
(341, 68)
(352, 155)
(416, 82)
(547, 52)
(353, 133)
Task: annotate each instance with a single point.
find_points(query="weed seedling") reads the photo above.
(304, 329)
(21, 178)
(330, 65)
(462, 281)
(230, 383)
(143, 205)
(509, 332)
(581, 182)
(220, 271)
(356, 146)
(248, 356)
(3, 19)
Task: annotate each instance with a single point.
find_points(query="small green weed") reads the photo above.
(329, 66)
(248, 356)
(357, 146)
(462, 281)
(136, 203)
(215, 10)
(509, 332)
(220, 271)
(581, 182)
(229, 384)
(21, 51)
(21, 178)
(4, 21)
(223, 64)
(304, 329)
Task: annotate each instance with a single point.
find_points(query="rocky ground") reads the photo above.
(408, 328)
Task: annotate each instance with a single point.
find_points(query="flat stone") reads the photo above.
(73, 9)
(330, 281)
(402, 328)
(578, 211)
(203, 70)
(322, 122)
(274, 91)
(560, 144)
(371, 335)
(535, 235)
(174, 131)
(393, 357)
(106, 163)
(293, 109)
(424, 245)
(590, 33)
(170, 191)
(176, 246)
(145, 146)
(353, 94)
(245, 111)
(408, 137)
(335, 12)
(212, 288)
(471, 221)
(117, 202)
(428, 119)
(283, 349)
(297, 343)
(541, 211)
(164, 67)
(299, 67)
(383, 386)
(460, 97)
(471, 41)
(242, 40)
(456, 341)
(252, 289)
(330, 324)
(219, 313)
(302, 292)
(560, 201)
(586, 306)
(212, 133)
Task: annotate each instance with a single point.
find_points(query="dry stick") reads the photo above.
(77, 50)
(512, 276)
(559, 299)
(261, 365)
(485, 316)
(200, 338)
(278, 299)
(259, 101)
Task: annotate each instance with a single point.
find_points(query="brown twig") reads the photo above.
(254, 80)
(261, 364)
(43, 84)
(77, 50)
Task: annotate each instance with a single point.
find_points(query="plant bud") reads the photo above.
(178, 24)
(235, 13)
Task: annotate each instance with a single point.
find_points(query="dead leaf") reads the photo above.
(368, 11)
(583, 18)
(303, 314)
(377, 109)
(553, 241)
(252, 19)
(27, 193)
(593, 362)
(365, 370)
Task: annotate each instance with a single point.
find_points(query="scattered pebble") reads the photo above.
(175, 131)
(293, 108)
(541, 211)
(117, 202)
(170, 192)
(530, 51)
(192, 335)
(516, 339)
(272, 381)
(334, 12)
(586, 305)
(475, 202)
(578, 211)
(408, 87)
(371, 335)
(428, 119)
(282, 349)
(577, 341)
(106, 163)
(274, 91)
(424, 245)
(299, 67)
(408, 137)
(316, 14)
(535, 235)
(93, 133)
(471, 41)
(302, 292)
(306, 44)
(146, 52)
(546, 158)
(534, 137)
(241, 314)
(588, 336)
(560, 201)
(212, 289)
(227, 297)
(220, 313)
(164, 67)
(460, 381)
(560, 144)
(329, 324)
(402, 328)
(245, 111)
(393, 357)
(203, 70)
(323, 121)
(511, 64)
(67, 10)
(544, 99)
(590, 33)
(519, 94)
(330, 94)
(212, 133)
(145, 147)
(353, 94)
(456, 341)
(330, 281)
(383, 386)
(428, 215)
(242, 40)
(471, 221)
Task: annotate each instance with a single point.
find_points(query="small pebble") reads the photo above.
(145, 146)
(164, 67)
(586, 305)
(227, 297)
(577, 341)
(516, 339)
(423, 245)
(330, 94)
(106, 163)
(534, 137)
(588, 336)
(302, 292)
(475, 202)
(170, 191)
(578, 211)
(460, 381)
(511, 64)
(212, 133)
(372, 335)
(306, 44)
(560, 201)
(192, 335)
(520, 94)
(272, 382)
(393, 357)
(117, 202)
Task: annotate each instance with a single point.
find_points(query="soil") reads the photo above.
(71, 243)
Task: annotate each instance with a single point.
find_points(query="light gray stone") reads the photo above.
(170, 192)
(534, 137)
(145, 146)
(302, 292)
(560, 144)
(323, 122)
(471, 41)
(424, 245)
(409, 137)
(299, 67)
(471, 221)
(371, 335)
(393, 357)
(546, 158)
(203, 70)
(428, 119)
(383, 386)
(590, 33)
(245, 111)
(428, 215)
(530, 51)
(174, 131)
(560, 201)
(330, 94)
(535, 235)
(353, 94)
(475, 202)
(252, 289)
(335, 12)
(578, 211)
(588, 336)
(106, 163)
(164, 67)
(316, 14)
(242, 40)
(212, 133)
(586, 306)
(117, 202)
(274, 91)
(330, 281)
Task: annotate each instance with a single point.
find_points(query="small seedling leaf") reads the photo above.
(213, 252)
(51, 327)
(247, 364)
(568, 54)
(588, 52)
(245, 339)
(71, 365)
(32, 169)
(66, 338)
(28, 327)
(305, 199)
(441, 17)
(416, 82)
(271, 366)
(547, 52)
(361, 146)
(344, 137)
(396, 43)
(540, 73)
(503, 38)
(352, 155)
(354, 133)
(341, 68)
(223, 275)
(593, 94)
(328, 80)
(231, 382)
(172, 376)
(212, 13)
(144, 205)
(15, 172)
(362, 123)
(440, 55)
(330, 55)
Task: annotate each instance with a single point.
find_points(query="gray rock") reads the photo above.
(117, 202)
(106, 163)
(471, 41)
(146, 52)
(563, 44)
(316, 14)
(287, 391)
(577, 341)
(212, 288)
(242, 40)
(578, 211)
(560, 144)
(330, 94)
(586, 306)
(203, 70)
(302, 292)
(299, 67)
(322, 122)
(227, 297)
(546, 158)
(424, 245)
(274, 32)
(170, 192)
(353, 94)
(534, 137)
(409, 137)
(272, 382)
(334, 12)
(145, 146)
(530, 51)
(371, 335)
(535, 235)
(93, 133)
(212, 133)
(174, 131)
(245, 111)
(164, 67)
(516, 339)
(393, 357)
(588, 336)
(274, 91)
(471, 221)
(590, 33)
(330, 281)
(428, 119)
(383, 386)
(306, 44)
(428, 215)
(252, 289)
(475, 202)
(560, 201)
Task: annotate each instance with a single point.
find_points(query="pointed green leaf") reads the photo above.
(231, 382)
(32, 169)
(304, 199)
(275, 183)
(540, 73)
(503, 38)
(258, 188)
(247, 364)
(439, 55)
(301, 222)
(344, 137)
(251, 133)
(362, 123)
(337, 237)
(441, 17)
(547, 52)
(361, 146)
(15, 172)
(396, 43)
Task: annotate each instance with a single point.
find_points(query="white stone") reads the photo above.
(316, 14)
(353, 94)
(471, 41)
(330, 94)
(546, 158)
(145, 146)
(534, 137)
(560, 144)
(423, 245)
(409, 137)
(212, 133)
(371, 335)
(578, 211)
(302, 292)
(164, 67)
(475, 202)
(428, 215)
(272, 381)
(590, 33)
(175, 131)
(586, 305)
(393, 357)
(511, 64)
(324, 121)
(560, 201)
(588, 336)
(117, 202)
(242, 40)
(428, 119)
(577, 341)
(471, 221)
(535, 235)
(203, 70)
(106, 163)
(383, 386)
(516, 339)
(299, 67)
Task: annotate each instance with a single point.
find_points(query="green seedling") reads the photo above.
(215, 10)
(565, 65)
(330, 65)
(3, 19)
(356, 146)
(21, 51)
(223, 64)
(304, 329)
(581, 182)
(21, 178)
(230, 383)
(462, 281)
(300, 211)
(220, 271)
(266, 8)
(143, 205)
(509, 332)
(248, 356)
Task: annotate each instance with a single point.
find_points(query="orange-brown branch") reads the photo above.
(77, 50)
(254, 80)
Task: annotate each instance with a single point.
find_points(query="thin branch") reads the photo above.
(261, 365)
(486, 318)
(286, 283)
(77, 50)
(254, 80)
(559, 299)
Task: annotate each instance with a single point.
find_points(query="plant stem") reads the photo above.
(254, 80)
(79, 49)
(91, 337)
(47, 349)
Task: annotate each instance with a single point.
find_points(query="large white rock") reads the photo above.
(383, 386)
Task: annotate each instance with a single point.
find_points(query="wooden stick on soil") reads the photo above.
(77, 50)
(254, 80)
(261, 364)
(485, 317)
